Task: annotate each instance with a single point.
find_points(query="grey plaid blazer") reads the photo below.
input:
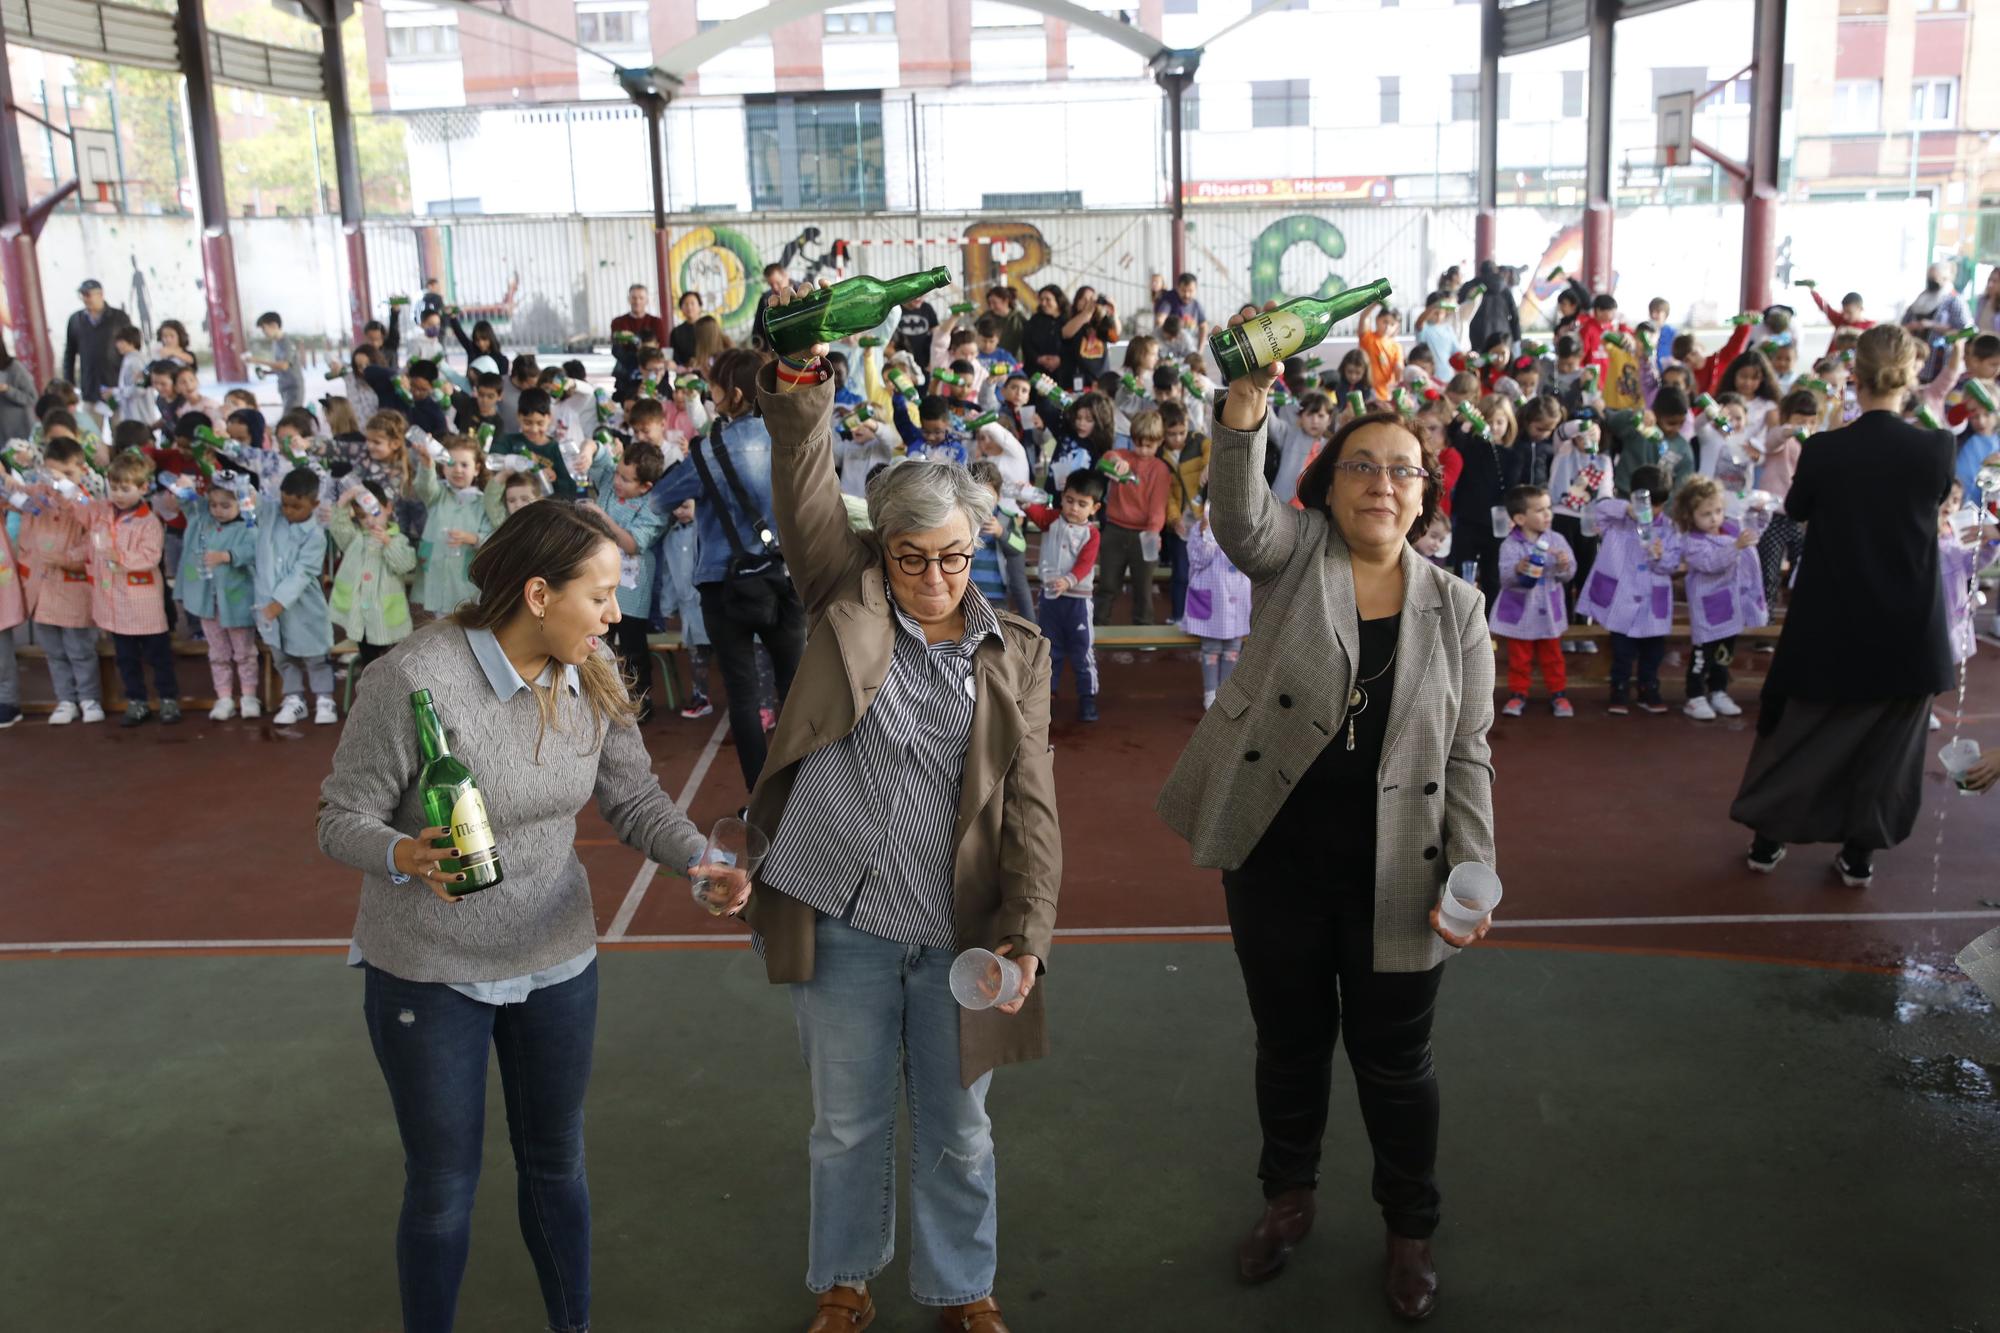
(1272, 717)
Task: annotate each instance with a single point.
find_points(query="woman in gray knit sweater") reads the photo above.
(537, 711)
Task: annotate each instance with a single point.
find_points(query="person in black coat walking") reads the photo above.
(1498, 315)
(1839, 755)
(88, 342)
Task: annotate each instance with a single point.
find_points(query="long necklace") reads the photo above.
(1357, 697)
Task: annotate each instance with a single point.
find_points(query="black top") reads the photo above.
(1867, 619)
(917, 326)
(1330, 815)
(1481, 485)
(89, 360)
(1042, 337)
(681, 343)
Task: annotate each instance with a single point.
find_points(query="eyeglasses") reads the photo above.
(951, 562)
(1400, 473)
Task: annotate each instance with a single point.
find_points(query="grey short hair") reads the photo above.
(919, 496)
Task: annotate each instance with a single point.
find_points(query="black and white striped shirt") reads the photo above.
(869, 826)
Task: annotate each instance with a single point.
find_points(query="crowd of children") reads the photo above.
(1594, 470)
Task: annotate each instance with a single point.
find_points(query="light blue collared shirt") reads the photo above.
(506, 683)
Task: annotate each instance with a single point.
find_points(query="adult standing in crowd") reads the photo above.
(1183, 303)
(1497, 315)
(1935, 311)
(1341, 774)
(1004, 304)
(89, 360)
(747, 595)
(1839, 755)
(17, 397)
(534, 705)
(638, 320)
(680, 343)
(912, 806)
(1986, 315)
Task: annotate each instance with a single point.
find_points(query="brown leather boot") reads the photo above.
(982, 1316)
(843, 1310)
(1286, 1221)
(1412, 1281)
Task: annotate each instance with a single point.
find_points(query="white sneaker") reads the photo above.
(1590, 647)
(1723, 705)
(1935, 724)
(293, 709)
(326, 714)
(64, 715)
(251, 707)
(93, 710)
(1207, 700)
(225, 708)
(1698, 709)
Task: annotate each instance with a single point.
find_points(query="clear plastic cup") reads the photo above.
(1958, 757)
(1471, 893)
(1469, 570)
(730, 843)
(982, 979)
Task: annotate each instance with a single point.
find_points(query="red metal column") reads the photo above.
(218, 256)
(1486, 229)
(27, 316)
(1598, 200)
(346, 170)
(1760, 191)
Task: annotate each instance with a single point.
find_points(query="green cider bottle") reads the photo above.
(856, 305)
(1269, 338)
(452, 801)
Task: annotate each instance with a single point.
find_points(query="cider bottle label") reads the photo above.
(471, 832)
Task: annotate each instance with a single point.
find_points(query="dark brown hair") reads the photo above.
(1316, 482)
(552, 541)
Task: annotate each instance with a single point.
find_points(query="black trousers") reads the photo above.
(1708, 667)
(628, 636)
(1646, 654)
(1304, 942)
(735, 648)
(137, 652)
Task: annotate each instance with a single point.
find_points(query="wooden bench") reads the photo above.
(661, 647)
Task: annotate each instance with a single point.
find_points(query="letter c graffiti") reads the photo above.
(1267, 256)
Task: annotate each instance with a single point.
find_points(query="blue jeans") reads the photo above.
(431, 1044)
(873, 1010)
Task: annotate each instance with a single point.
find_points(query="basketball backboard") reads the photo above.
(1674, 142)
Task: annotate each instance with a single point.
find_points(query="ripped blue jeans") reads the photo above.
(875, 1015)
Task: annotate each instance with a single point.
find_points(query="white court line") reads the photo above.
(1080, 932)
(644, 879)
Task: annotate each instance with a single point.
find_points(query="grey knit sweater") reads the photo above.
(540, 915)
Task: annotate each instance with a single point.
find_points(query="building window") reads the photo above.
(881, 22)
(1506, 97)
(1939, 6)
(1275, 103)
(1572, 93)
(1392, 99)
(1465, 97)
(429, 41)
(1857, 106)
(603, 25)
(1182, 7)
(811, 152)
(1934, 103)
(1191, 108)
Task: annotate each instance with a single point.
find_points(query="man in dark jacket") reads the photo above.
(89, 339)
(1497, 312)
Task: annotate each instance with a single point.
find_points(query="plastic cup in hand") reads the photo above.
(730, 843)
(982, 979)
(1470, 895)
(1958, 758)
(1469, 570)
